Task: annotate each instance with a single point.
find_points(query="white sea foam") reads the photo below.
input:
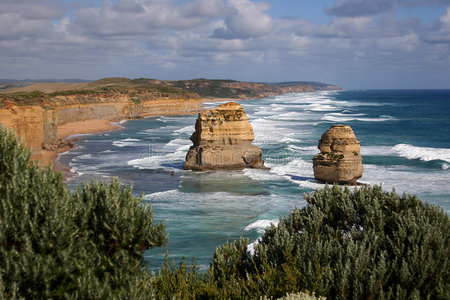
(108, 151)
(178, 142)
(170, 159)
(260, 175)
(251, 247)
(117, 124)
(82, 157)
(422, 153)
(162, 194)
(338, 117)
(296, 170)
(289, 140)
(261, 225)
(271, 131)
(304, 150)
(127, 142)
(405, 179)
(320, 107)
(377, 151)
(156, 131)
(186, 129)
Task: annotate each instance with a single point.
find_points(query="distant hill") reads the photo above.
(48, 94)
(14, 83)
(216, 88)
(27, 91)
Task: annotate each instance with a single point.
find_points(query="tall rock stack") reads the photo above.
(340, 159)
(223, 140)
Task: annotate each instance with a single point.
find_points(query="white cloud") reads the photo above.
(246, 20)
(214, 38)
(440, 33)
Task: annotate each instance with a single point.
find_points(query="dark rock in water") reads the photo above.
(340, 159)
(223, 140)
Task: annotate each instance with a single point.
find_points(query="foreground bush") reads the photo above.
(362, 244)
(54, 244)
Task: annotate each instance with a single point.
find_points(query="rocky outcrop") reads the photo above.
(223, 140)
(340, 159)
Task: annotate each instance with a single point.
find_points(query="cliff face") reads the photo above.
(38, 127)
(33, 124)
(340, 159)
(223, 140)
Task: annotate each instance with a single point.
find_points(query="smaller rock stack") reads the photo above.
(340, 159)
(223, 140)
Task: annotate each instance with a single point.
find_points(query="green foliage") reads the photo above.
(73, 92)
(54, 244)
(27, 98)
(116, 220)
(344, 244)
(361, 244)
(215, 88)
(34, 95)
(136, 100)
(335, 156)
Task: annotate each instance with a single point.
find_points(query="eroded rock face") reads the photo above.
(340, 159)
(223, 140)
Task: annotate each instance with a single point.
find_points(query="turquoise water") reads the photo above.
(404, 139)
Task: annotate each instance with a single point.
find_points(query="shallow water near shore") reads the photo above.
(404, 136)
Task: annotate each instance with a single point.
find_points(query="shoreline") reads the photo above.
(65, 132)
(68, 132)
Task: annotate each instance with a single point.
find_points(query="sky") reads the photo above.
(356, 44)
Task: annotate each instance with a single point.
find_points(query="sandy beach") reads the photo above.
(49, 157)
(84, 127)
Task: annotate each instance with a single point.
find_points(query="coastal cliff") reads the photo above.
(37, 112)
(36, 116)
(223, 140)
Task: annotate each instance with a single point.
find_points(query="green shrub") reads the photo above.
(54, 244)
(344, 244)
(361, 244)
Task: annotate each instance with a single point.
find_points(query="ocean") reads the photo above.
(405, 144)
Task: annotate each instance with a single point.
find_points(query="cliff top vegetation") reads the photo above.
(48, 94)
(45, 93)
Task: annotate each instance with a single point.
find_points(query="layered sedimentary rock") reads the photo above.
(223, 140)
(38, 126)
(339, 160)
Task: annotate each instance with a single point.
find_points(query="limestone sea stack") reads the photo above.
(340, 159)
(223, 140)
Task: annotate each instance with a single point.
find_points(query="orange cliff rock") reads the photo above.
(38, 125)
(223, 140)
(340, 159)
